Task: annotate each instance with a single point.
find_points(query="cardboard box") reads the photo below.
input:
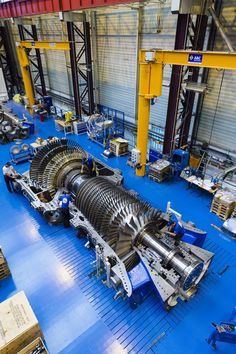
(18, 324)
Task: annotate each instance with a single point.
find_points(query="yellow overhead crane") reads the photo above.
(150, 83)
(150, 78)
(25, 64)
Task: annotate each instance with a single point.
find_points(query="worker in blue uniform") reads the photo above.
(91, 165)
(176, 229)
(64, 203)
(9, 174)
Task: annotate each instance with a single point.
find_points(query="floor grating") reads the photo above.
(140, 330)
(85, 304)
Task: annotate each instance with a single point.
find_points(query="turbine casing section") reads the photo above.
(54, 161)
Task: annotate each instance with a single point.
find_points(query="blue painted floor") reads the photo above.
(76, 311)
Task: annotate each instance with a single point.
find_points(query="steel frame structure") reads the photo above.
(190, 35)
(30, 34)
(7, 64)
(22, 51)
(81, 67)
(80, 58)
(150, 85)
(197, 43)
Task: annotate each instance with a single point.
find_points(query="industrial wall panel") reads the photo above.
(217, 122)
(116, 43)
(158, 31)
(58, 78)
(56, 64)
(117, 33)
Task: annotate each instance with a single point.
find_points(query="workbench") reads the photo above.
(192, 180)
(67, 127)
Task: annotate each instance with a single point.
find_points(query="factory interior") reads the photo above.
(118, 183)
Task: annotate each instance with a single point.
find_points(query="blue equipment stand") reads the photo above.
(21, 153)
(141, 284)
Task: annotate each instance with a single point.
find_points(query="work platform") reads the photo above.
(75, 310)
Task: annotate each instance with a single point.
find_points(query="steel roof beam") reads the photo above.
(19, 8)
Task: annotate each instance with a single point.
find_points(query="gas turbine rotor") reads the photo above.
(115, 214)
(134, 230)
(125, 231)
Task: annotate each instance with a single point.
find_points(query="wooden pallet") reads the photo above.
(224, 215)
(32, 346)
(4, 269)
(222, 208)
(158, 177)
(119, 146)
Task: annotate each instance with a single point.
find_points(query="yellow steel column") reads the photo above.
(150, 86)
(25, 70)
(143, 115)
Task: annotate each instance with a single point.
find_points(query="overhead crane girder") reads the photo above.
(22, 48)
(45, 45)
(150, 82)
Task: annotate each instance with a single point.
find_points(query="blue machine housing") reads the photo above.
(180, 159)
(190, 234)
(193, 236)
(154, 155)
(21, 153)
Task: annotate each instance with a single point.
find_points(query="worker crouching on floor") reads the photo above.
(91, 165)
(176, 230)
(64, 203)
(10, 175)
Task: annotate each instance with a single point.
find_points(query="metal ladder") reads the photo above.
(204, 162)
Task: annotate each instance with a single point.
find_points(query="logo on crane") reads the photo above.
(195, 58)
